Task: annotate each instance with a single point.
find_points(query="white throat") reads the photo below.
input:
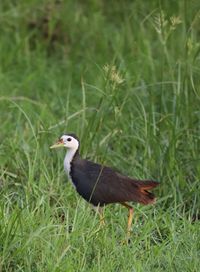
(68, 159)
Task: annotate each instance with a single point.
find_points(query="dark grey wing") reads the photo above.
(113, 187)
(102, 185)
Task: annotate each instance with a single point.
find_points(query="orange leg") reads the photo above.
(100, 211)
(130, 219)
(101, 215)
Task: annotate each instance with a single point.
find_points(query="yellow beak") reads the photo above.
(58, 144)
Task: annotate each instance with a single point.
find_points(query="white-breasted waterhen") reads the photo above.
(101, 185)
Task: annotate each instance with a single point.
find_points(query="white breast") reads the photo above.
(67, 163)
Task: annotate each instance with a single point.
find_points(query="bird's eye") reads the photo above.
(69, 139)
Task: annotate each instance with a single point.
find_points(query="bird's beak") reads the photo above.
(58, 144)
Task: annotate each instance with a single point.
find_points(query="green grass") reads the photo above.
(60, 71)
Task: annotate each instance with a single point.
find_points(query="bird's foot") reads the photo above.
(102, 222)
(127, 241)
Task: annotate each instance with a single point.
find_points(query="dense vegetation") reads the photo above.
(125, 77)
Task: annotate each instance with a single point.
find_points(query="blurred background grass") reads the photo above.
(125, 77)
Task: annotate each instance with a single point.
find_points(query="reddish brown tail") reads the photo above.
(146, 197)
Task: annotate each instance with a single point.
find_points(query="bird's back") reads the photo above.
(101, 185)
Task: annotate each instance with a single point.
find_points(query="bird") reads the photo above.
(101, 185)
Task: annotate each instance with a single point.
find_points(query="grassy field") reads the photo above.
(125, 77)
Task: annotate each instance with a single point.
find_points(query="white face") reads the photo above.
(69, 142)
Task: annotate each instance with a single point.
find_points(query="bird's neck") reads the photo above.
(71, 153)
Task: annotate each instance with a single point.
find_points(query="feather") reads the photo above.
(101, 185)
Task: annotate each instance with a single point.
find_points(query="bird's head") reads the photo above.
(69, 141)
